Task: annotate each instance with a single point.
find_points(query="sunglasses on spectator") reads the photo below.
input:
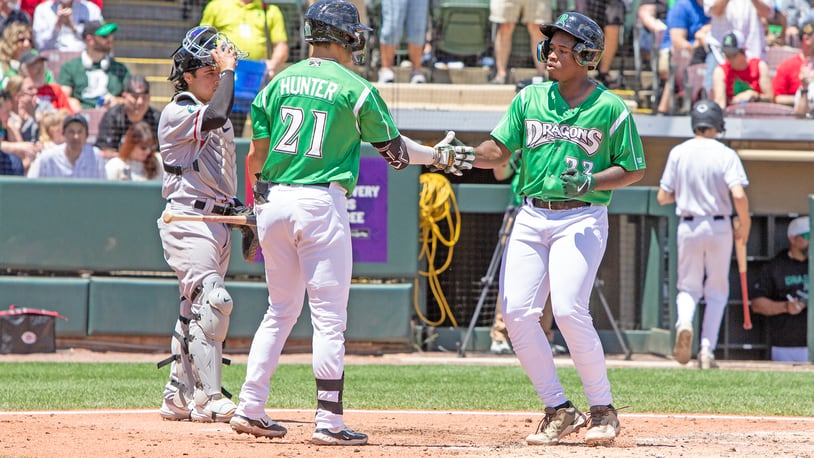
(24, 39)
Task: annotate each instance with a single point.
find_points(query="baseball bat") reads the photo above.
(740, 253)
(169, 217)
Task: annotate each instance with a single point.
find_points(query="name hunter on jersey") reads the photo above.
(307, 86)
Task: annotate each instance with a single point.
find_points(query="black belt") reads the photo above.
(178, 170)
(558, 204)
(216, 209)
(716, 218)
(321, 185)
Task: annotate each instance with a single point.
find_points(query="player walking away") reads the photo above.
(578, 143)
(198, 150)
(308, 123)
(699, 176)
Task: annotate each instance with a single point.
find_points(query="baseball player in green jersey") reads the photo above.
(308, 123)
(579, 142)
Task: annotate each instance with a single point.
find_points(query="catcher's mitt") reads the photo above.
(250, 241)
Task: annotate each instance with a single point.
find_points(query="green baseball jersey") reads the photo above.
(315, 113)
(593, 136)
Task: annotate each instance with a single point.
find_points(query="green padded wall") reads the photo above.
(74, 225)
(68, 296)
(149, 307)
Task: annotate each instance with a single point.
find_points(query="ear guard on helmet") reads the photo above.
(584, 55)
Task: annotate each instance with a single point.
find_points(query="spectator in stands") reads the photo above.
(396, 15)
(50, 96)
(744, 16)
(10, 164)
(781, 293)
(138, 158)
(116, 121)
(51, 128)
(9, 14)
(11, 140)
(740, 79)
(58, 24)
(506, 13)
(256, 28)
(796, 13)
(610, 15)
(795, 70)
(72, 159)
(95, 79)
(28, 6)
(687, 27)
(15, 41)
(652, 15)
(23, 124)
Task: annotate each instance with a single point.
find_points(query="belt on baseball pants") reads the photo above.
(558, 204)
(216, 209)
(321, 185)
(716, 217)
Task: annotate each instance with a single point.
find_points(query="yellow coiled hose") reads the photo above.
(437, 206)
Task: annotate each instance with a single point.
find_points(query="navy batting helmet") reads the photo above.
(590, 38)
(706, 113)
(336, 21)
(195, 49)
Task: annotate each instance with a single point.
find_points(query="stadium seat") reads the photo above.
(57, 58)
(460, 28)
(94, 117)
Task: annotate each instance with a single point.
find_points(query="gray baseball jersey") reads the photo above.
(183, 143)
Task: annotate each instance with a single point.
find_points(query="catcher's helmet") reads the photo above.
(590, 38)
(194, 51)
(706, 113)
(336, 21)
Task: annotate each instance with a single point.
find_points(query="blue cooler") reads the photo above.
(248, 78)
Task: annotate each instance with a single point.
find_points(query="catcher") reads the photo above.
(198, 150)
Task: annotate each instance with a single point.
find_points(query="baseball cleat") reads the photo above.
(683, 348)
(169, 411)
(218, 409)
(604, 425)
(500, 347)
(345, 436)
(264, 427)
(706, 360)
(557, 424)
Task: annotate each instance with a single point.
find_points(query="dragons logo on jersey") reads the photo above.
(539, 133)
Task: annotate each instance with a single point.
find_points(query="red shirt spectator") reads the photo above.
(738, 80)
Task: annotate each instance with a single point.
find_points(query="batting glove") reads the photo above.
(453, 159)
(575, 183)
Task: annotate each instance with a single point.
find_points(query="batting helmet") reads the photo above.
(706, 113)
(336, 21)
(590, 38)
(194, 51)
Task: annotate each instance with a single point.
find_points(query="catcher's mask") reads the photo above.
(337, 21)
(195, 50)
(590, 38)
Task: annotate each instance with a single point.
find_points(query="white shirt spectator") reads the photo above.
(47, 35)
(740, 15)
(118, 169)
(54, 164)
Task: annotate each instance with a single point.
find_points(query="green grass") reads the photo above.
(71, 386)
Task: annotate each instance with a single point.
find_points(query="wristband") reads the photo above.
(224, 72)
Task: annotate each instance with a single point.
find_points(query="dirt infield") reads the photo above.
(394, 433)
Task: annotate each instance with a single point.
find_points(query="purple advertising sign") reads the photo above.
(367, 212)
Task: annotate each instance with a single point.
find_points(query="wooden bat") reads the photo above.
(740, 253)
(169, 217)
